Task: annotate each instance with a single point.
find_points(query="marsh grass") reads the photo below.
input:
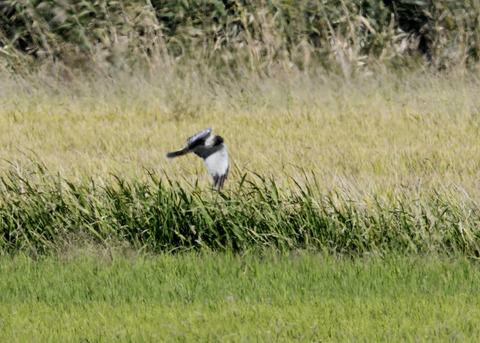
(64, 38)
(43, 212)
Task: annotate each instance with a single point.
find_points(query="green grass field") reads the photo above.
(99, 296)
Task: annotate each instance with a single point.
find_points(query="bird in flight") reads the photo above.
(212, 150)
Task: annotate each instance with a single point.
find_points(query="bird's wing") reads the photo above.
(217, 166)
(180, 152)
(198, 136)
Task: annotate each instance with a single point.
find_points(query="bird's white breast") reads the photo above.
(217, 163)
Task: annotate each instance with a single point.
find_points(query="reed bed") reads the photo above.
(42, 213)
(260, 36)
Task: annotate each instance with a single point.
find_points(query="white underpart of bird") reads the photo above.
(213, 151)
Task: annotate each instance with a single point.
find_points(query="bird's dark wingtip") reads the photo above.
(175, 154)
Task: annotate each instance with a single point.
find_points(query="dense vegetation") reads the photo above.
(47, 214)
(375, 165)
(260, 35)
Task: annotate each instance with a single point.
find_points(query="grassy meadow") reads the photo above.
(391, 135)
(376, 164)
(303, 296)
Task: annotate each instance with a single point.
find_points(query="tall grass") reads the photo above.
(380, 134)
(42, 212)
(260, 36)
(377, 164)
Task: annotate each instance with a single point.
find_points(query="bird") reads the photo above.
(213, 151)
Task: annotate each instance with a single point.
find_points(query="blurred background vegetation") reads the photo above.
(233, 36)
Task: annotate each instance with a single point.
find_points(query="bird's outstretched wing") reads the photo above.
(198, 136)
(191, 142)
(177, 153)
(217, 166)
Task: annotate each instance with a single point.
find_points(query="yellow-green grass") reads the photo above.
(390, 135)
(102, 296)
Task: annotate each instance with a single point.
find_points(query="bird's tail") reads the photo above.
(176, 153)
(219, 180)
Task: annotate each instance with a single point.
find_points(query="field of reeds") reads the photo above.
(262, 36)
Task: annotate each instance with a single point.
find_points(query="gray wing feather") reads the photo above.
(191, 142)
(199, 135)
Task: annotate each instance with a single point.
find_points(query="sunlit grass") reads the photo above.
(103, 295)
(387, 135)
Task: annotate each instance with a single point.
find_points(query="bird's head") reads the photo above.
(217, 140)
(213, 141)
